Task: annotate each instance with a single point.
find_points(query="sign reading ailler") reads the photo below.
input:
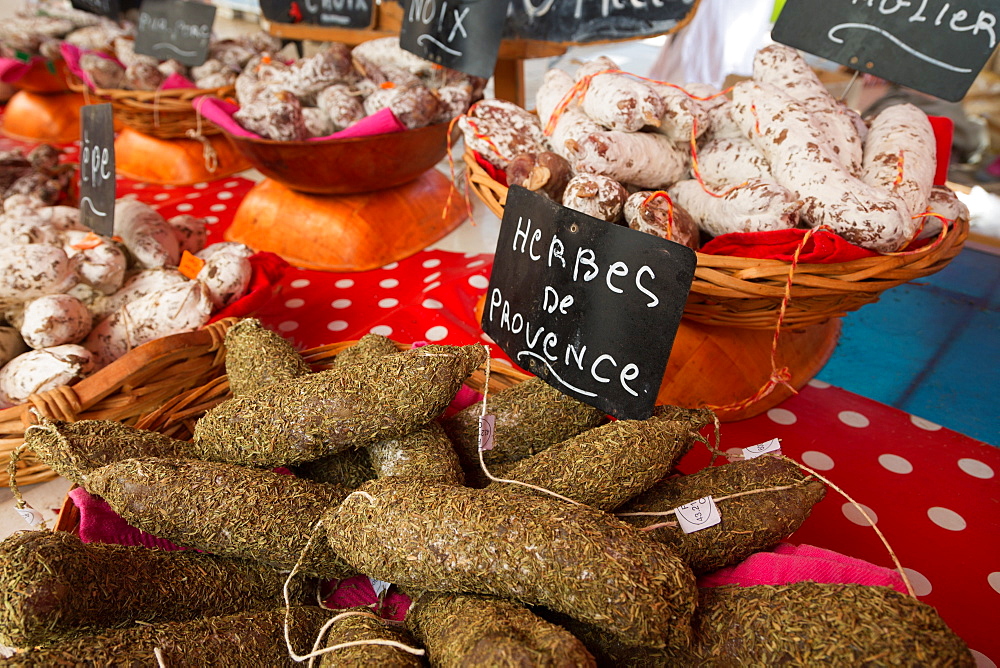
(587, 306)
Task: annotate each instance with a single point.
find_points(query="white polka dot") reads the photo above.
(782, 416)
(185, 206)
(201, 186)
(217, 207)
(225, 195)
(819, 384)
(288, 326)
(468, 255)
(924, 424)
(391, 266)
(231, 184)
(436, 333)
(895, 463)
(432, 277)
(853, 419)
(487, 338)
(341, 303)
(430, 264)
(853, 513)
(211, 219)
(921, 585)
(389, 283)
(479, 282)
(994, 580)
(432, 303)
(388, 302)
(477, 263)
(982, 661)
(192, 196)
(384, 330)
(976, 468)
(946, 519)
(294, 303)
(336, 326)
(159, 197)
(300, 283)
(432, 286)
(817, 460)
(344, 283)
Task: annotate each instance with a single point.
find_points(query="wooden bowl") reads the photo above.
(347, 166)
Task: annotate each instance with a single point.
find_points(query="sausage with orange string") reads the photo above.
(716, 108)
(802, 161)
(616, 100)
(784, 68)
(730, 161)
(942, 203)
(499, 130)
(661, 217)
(900, 155)
(757, 206)
(595, 195)
(570, 122)
(682, 115)
(644, 159)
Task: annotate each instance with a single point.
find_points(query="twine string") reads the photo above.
(946, 224)
(208, 153)
(454, 178)
(19, 502)
(670, 210)
(696, 168)
(158, 653)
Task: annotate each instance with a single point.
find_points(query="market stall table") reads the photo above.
(933, 492)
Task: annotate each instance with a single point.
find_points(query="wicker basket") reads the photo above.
(165, 386)
(132, 385)
(167, 114)
(747, 292)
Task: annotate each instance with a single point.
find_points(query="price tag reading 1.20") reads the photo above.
(97, 169)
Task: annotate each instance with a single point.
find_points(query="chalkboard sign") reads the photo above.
(97, 168)
(358, 14)
(461, 34)
(934, 46)
(583, 21)
(110, 8)
(588, 306)
(175, 29)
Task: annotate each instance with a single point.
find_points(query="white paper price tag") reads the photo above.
(697, 515)
(30, 515)
(487, 424)
(380, 586)
(774, 445)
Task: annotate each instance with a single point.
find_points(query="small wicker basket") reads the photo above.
(164, 386)
(747, 292)
(167, 114)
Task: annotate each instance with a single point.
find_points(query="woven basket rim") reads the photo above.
(160, 94)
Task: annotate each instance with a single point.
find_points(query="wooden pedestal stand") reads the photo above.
(355, 232)
(52, 118)
(178, 162)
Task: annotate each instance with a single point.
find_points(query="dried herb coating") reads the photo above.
(349, 468)
(368, 347)
(515, 544)
(475, 630)
(366, 626)
(232, 641)
(811, 623)
(320, 414)
(257, 357)
(224, 509)
(750, 523)
(54, 587)
(530, 417)
(74, 449)
(606, 466)
(426, 452)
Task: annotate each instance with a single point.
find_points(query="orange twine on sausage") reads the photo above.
(781, 376)
(578, 89)
(451, 168)
(670, 210)
(696, 169)
(899, 170)
(945, 222)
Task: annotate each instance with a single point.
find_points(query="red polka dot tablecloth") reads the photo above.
(934, 493)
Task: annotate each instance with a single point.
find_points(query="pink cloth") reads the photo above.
(791, 563)
(357, 591)
(12, 69)
(221, 113)
(72, 53)
(100, 524)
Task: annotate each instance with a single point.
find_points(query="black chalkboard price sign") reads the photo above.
(359, 14)
(590, 307)
(97, 168)
(175, 29)
(109, 8)
(580, 21)
(934, 46)
(461, 34)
